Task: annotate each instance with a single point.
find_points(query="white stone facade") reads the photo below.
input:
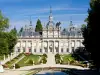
(52, 40)
(48, 45)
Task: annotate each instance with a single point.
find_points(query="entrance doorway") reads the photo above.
(51, 46)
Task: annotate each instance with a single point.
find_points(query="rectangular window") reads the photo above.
(30, 50)
(62, 50)
(46, 50)
(72, 49)
(57, 50)
(18, 50)
(34, 50)
(23, 49)
(67, 50)
(40, 50)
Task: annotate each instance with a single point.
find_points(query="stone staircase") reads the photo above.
(10, 57)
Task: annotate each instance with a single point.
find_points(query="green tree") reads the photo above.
(12, 39)
(38, 27)
(20, 31)
(3, 46)
(4, 22)
(91, 31)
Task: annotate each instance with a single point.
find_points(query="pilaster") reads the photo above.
(32, 46)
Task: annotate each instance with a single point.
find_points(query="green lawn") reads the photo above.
(67, 57)
(25, 61)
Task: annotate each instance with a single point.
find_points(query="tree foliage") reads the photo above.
(38, 26)
(20, 31)
(7, 39)
(12, 39)
(4, 22)
(3, 46)
(91, 31)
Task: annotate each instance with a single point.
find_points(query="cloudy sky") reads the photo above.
(19, 11)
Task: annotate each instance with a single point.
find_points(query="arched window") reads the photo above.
(72, 49)
(18, 49)
(34, 50)
(23, 49)
(40, 50)
(67, 50)
(61, 49)
(30, 50)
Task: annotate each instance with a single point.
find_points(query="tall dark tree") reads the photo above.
(3, 46)
(20, 31)
(38, 27)
(91, 32)
(12, 39)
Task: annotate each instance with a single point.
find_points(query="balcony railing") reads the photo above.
(42, 37)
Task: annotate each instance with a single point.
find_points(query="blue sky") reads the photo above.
(19, 11)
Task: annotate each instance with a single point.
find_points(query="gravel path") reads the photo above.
(12, 72)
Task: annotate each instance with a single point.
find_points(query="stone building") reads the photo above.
(54, 39)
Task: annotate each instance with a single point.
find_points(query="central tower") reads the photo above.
(50, 23)
(50, 17)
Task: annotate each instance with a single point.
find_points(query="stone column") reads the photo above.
(21, 49)
(81, 45)
(42, 47)
(48, 47)
(11, 55)
(64, 49)
(32, 46)
(4, 57)
(54, 47)
(26, 48)
(14, 66)
(37, 47)
(75, 45)
(8, 57)
(69, 45)
(59, 47)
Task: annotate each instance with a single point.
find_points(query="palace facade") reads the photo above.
(52, 40)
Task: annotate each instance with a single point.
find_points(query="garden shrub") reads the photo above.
(61, 62)
(8, 62)
(30, 62)
(57, 61)
(44, 60)
(45, 55)
(17, 66)
(11, 67)
(16, 58)
(57, 56)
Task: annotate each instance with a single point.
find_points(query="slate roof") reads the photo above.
(72, 31)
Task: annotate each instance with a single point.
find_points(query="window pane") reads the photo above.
(34, 50)
(40, 50)
(62, 50)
